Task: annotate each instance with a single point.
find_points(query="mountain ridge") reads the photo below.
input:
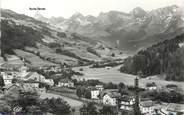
(138, 24)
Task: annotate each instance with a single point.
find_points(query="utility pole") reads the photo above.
(136, 105)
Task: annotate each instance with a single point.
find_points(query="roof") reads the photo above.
(8, 86)
(92, 88)
(31, 81)
(114, 94)
(151, 84)
(126, 98)
(29, 74)
(175, 107)
(65, 81)
(147, 103)
(99, 86)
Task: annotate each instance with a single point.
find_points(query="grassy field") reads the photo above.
(113, 75)
(72, 102)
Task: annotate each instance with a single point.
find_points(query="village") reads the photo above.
(119, 98)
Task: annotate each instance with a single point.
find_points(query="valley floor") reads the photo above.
(115, 76)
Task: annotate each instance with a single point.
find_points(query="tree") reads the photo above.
(55, 105)
(27, 99)
(79, 92)
(82, 91)
(73, 110)
(113, 54)
(89, 109)
(110, 85)
(122, 85)
(4, 108)
(106, 110)
(14, 80)
(87, 94)
(1, 81)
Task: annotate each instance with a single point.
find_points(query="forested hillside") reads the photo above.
(166, 58)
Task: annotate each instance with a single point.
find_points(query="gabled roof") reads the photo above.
(126, 98)
(113, 94)
(31, 81)
(29, 74)
(65, 80)
(92, 88)
(8, 86)
(173, 107)
(147, 103)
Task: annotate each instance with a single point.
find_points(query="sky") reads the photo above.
(66, 8)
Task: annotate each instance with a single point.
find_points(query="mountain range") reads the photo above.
(38, 43)
(130, 32)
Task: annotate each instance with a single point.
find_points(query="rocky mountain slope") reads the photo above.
(39, 43)
(128, 31)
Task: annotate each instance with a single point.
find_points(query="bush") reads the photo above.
(61, 34)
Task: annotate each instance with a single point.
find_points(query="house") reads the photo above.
(49, 82)
(95, 93)
(174, 109)
(32, 86)
(29, 85)
(41, 90)
(151, 86)
(127, 102)
(65, 83)
(23, 71)
(55, 69)
(34, 76)
(181, 45)
(8, 77)
(11, 91)
(111, 98)
(147, 107)
(99, 87)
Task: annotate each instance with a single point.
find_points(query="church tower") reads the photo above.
(136, 105)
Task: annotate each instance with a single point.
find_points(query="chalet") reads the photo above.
(111, 98)
(55, 69)
(127, 102)
(151, 86)
(99, 87)
(181, 45)
(34, 76)
(95, 93)
(41, 90)
(174, 109)
(65, 83)
(7, 76)
(147, 107)
(29, 85)
(11, 91)
(172, 87)
(50, 82)
(23, 71)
